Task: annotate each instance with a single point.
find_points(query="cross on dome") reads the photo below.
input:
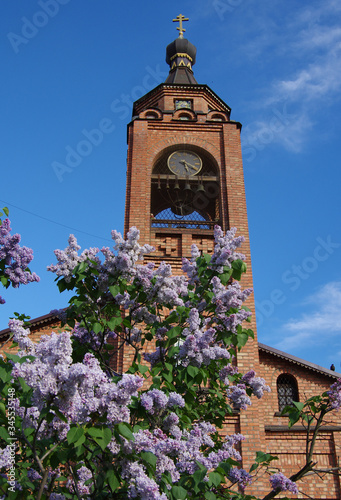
(180, 18)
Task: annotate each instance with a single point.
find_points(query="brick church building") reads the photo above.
(185, 175)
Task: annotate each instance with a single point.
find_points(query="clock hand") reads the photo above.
(192, 166)
(185, 164)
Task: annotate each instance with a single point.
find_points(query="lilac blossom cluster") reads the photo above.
(257, 384)
(227, 298)
(224, 253)
(14, 259)
(334, 395)
(279, 481)
(156, 400)
(127, 254)
(237, 393)
(140, 485)
(178, 455)
(200, 346)
(240, 476)
(225, 248)
(69, 258)
(77, 389)
(95, 340)
(84, 474)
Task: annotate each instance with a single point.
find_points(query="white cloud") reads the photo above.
(309, 46)
(292, 343)
(327, 317)
(323, 323)
(315, 81)
(281, 127)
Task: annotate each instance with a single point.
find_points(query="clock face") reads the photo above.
(184, 163)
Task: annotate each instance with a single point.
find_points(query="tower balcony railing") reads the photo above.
(182, 224)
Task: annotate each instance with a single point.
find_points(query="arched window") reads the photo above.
(287, 390)
(185, 116)
(151, 115)
(218, 118)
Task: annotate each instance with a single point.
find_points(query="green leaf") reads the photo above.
(299, 406)
(80, 441)
(125, 431)
(3, 433)
(114, 290)
(6, 211)
(142, 369)
(102, 438)
(192, 371)
(112, 479)
(179, 493)
(6, 374)
(74, 434)
(174, 332)
(242, 338)
(224, 278)
(264, 457)
(209, 495)
(215, 478)
(253, 467)
(150, 458)
(97, 327)
(95, 432)
(114, 322)
(199, 475)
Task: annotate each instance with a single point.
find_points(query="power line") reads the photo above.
(54, 222)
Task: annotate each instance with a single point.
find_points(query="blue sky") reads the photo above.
(71, 66)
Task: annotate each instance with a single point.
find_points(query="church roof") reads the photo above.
(298, 361)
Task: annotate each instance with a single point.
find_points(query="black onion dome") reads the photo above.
(180, 46)
(180, 55)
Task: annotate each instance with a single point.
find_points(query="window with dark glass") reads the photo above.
(287, 390)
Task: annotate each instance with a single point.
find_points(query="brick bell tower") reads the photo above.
(184, 165)
(185, 175)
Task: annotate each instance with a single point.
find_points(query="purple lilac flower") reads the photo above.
(225, 246)
(334, 395)
(21, 336)
(256, 383)
(226, 371)
(78, 389)
(33, 475)
(122, 260)
(176, 399)
(279, 481)
(15, 258)
(140, 485)
(69, 258)
(241, 477)
(7, 456)
(154, 400)
(189, 267)
(154, 357)
(238, 397)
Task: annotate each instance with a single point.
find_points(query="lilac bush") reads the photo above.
(85, 430)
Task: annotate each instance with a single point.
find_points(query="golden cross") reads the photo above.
(179, 19)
